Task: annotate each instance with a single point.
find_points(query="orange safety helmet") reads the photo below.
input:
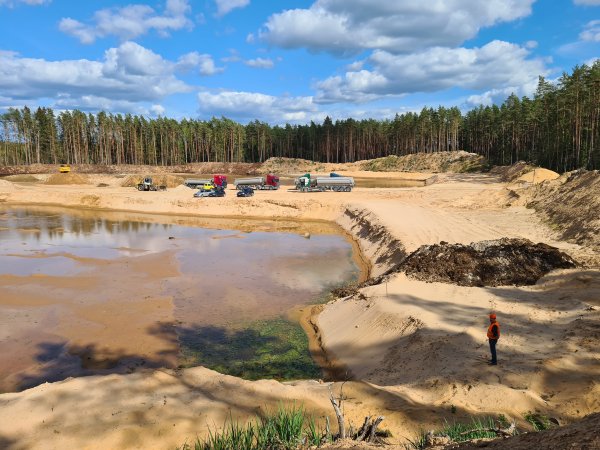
(493, 316)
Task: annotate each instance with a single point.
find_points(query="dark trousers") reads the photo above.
(493, 350)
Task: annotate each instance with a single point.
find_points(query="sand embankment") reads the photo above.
(414, 348)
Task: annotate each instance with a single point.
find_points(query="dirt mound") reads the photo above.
(511, 173)
(66, 178)
(579, 435)
(487, 263)
(572, 204)
(170, 181)
(22, 178)
(455, 162)
(289, 166)
(538, 175)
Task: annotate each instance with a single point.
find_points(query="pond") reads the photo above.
(85, 292)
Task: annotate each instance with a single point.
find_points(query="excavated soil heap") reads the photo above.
(487, 263)
(67, 178)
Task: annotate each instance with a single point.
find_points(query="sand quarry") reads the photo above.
(413, 351)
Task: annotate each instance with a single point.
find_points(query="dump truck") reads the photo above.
(217, 180)
(335, 182)
(148, 185)
(270, 182)
(64, 168)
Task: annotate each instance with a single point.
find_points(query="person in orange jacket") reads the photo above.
(493, 335)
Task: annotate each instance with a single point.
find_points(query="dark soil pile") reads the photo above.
(499, 262)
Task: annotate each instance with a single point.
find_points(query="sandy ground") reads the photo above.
(416, 352)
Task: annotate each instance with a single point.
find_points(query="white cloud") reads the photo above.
(129, 22)
(587, 2)
(244, 106)
(127, 75)
(497, 65)
(226, 6)
(203, 62)
(400, 26)
(260, 63)
(591, 32)
(12, 3)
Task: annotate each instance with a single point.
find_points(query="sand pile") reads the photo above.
(487, 263)
(538, 175)
(572, 203)
(66, 178)
(22, 178)
(455, 162)
(170, 181)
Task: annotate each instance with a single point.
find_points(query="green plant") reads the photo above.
(538, 421)
(285, 429)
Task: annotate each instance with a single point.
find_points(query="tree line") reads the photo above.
(558, 128)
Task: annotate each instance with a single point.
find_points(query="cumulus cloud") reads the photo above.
(245, 106)
(497, 65)
(591, 32)
(401, 26)
(129, 22)
(127, 75)
(226, 6)
(203, 62)
(260, 63)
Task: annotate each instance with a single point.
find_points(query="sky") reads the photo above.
(286, 61)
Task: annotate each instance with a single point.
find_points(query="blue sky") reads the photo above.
(286, 61)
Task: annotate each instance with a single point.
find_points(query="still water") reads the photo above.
(90, 292)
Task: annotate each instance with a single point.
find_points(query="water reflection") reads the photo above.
(78, 280)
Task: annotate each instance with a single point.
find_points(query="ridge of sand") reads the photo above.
(416, 348)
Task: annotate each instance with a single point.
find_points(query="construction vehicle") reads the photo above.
(270, 182)
(216, 181)
(148, 185)
(64, 168)
(335, 182)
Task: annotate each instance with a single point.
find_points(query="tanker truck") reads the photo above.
(270, 182)
(216, 181)
(319, 184)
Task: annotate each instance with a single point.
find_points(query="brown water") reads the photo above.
(85, 292)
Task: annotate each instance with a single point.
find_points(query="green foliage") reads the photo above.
(477, 428)
(538, 421)
(264, 349)
(285, 429)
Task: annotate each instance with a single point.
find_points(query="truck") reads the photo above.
(335, 182)
(270, 182)
(148, 185)
(217, 180)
